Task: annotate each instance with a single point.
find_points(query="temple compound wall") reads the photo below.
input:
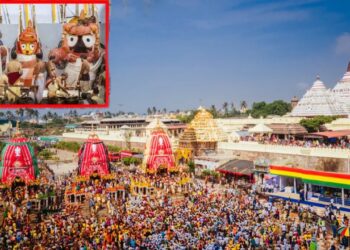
(322, 159)
(119, 143)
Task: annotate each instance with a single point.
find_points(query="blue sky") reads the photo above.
(179, 54)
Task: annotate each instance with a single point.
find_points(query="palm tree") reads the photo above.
(244, 106)
(225, 108)
(2, 114)
(154, 110)
(45, 118)
(49, 115)
(233, 109)
(29, 113)
(149, 111)
(9, 115)
(213, 111)
(36, 114)
(20, 113)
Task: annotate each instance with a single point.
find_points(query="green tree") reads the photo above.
(264, 109)
(259, 109)
(278, 107)
(314, 124)
(191, 167)
(187, 118)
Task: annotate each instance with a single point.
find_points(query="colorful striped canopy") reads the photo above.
(343, 231)
(321, 178)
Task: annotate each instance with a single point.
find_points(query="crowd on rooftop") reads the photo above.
(341, 143)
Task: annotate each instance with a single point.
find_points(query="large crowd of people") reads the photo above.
(206, 217)
(342, 143)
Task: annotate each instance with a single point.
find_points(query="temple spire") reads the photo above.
(348, 70)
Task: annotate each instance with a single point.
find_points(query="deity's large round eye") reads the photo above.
(72, 40)
(89, 40)
(23, 46)
(32, 46)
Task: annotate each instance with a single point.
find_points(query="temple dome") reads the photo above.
(205, 127)
(342, 90)
(318, 100)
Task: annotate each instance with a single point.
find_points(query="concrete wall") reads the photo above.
(324, 159)
(109, 139)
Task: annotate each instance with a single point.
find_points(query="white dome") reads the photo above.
(318, 100)
(342, 90)
(318, 84)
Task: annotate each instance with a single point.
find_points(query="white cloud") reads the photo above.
(342, 46)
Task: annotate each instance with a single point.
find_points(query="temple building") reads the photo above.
(93, 157)
(202, 134)
(18, 161)
(294, 102)
(342, 90)
(319, 100)
(138, 126)
(158, 155)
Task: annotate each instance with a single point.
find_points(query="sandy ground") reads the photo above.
(68, 163)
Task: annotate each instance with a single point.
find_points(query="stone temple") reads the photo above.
(341, 90)
(319, 100)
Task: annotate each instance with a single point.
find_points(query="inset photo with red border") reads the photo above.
(54, 54)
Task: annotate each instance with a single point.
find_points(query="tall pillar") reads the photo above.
(280, 183)
(295, 185)
(342, 197)
(305, 191)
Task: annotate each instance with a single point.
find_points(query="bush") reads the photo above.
(212, 173)
(131, 160)
(113, 148)
(2, 145)
(191, 167)
(69, 146)
(45, 154)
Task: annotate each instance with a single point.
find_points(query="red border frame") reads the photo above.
(107, 4)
